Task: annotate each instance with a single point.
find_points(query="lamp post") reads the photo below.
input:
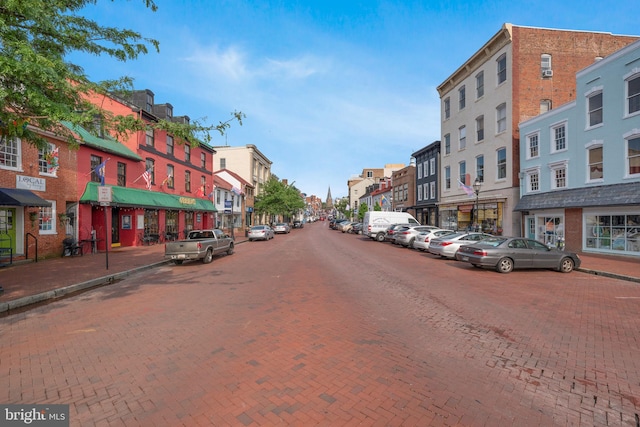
(476, 188)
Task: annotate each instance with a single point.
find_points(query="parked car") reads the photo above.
(281, 227)
(346, 227)
(446, 246)
(298, 224)
(406, 236)
(390, 232)
(357, 228)
(260, 232)
(507, 253)
(377, 222)
(336, 223)
(423, 239)
(199, 244)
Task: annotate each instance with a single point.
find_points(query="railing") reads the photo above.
(26, 243)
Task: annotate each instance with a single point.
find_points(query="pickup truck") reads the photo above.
(199, 244)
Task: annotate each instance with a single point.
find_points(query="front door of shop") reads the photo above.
(7, 228)
(115, 226)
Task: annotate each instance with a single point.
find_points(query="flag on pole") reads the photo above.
(147, 178)
(467, 189)
(235, 190)
(166, 180)
(99, 170)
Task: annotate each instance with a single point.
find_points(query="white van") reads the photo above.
(375, 223)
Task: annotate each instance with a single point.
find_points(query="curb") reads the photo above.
(6, 307)
(611, 275)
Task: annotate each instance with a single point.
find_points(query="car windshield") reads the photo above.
(492, 241)
(453, 235)
(258, 227)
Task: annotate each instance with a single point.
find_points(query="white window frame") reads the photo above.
(462, 98)
(447, 144)
(553, 128)
(634, 134)
(633, 75)
(425, 171)
(462, 138)
(419, 192)
(425, 188)
(480, 128)
(480, 167)
(51, 219)
(545, 62)
(590, 95)
(433, 189)
(447, 108)
(591, 146)
(500, 80)
(528, 138)
(15, 144)
(555, 167)
(41, 159)
(501, 119)
(506, 164)
(420, 170)
(446, 177)
(433, 165)
(480, 85)
(529, 173)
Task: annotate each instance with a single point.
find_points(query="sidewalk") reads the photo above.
(33, 282)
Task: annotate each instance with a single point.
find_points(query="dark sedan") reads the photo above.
(506, 253)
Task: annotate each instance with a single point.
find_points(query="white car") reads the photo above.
(423, 239)
(447, 245)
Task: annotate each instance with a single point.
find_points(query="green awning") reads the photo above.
(123, 196)
(106, 144)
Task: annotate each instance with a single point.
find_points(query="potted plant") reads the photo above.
(33, 216)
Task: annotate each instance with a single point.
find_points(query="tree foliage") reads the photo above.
(362, 209)
(39, 88)
(278, 198)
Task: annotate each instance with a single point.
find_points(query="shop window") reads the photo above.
(46, 218)
(48, 160)
(594, 107)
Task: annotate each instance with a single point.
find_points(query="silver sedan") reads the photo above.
(447, 246)
(260, 232)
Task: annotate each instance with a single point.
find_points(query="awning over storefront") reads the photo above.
(603, 195)
(19, 197)
(123, 196)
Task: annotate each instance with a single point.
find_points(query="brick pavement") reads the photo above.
(32, 282)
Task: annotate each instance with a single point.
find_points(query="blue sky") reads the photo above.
(329, 88)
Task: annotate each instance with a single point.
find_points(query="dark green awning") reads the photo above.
(19, 197)
(123, 196)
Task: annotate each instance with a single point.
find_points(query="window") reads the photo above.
(533, 180)
(462, 175)
(447, 177)
(462, 98)
(462, 138)
(558, 175)
(559, 136)
(187, 153)
(223, 163)
(533, 146)
(150, 138)
(369, 174)
(149, 104)
(447, 144)
(596, 171)
(433, 189)
(95, 161)
(479, 128)
(419, 168)
(502, 68)
(502, 163)
(433, 166)
(447, 108)
(480, 168)
(480, 85)
(122, 174)
(633, 94)
(545, 105)
(169, 178)
(633, 155)
(426, 191)
(545, 63)
(501, 118)
(150, 163)
(48, 160)
(10, 153)
(405, 189)
(170, 145)
(46, 218)
(187, 181)
(594, 103)
(203, 160)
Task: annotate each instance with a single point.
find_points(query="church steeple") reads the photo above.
(329, 203)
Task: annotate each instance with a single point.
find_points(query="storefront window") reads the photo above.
(613, 233)
(150, 222)
(550, 229)
(171, 224)
(188, 222)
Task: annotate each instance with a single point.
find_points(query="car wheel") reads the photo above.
(505, 265)
(208, 257)
(230, 250)
(380, 237)
(410, 245)
(566, 265)
(178, 261)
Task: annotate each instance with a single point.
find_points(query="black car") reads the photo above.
(298, 224)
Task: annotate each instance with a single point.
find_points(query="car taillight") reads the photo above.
(405, 232)
(480, 252)
(445, 243)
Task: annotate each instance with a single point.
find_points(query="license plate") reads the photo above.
(465, 258)
(181, 256)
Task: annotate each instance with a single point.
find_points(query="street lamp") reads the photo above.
(476, 188)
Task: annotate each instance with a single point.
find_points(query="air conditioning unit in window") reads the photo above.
(547, 73)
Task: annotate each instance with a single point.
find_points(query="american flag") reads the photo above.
(147, 178)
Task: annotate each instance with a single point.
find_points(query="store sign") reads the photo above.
(187, 201)
(31, 183)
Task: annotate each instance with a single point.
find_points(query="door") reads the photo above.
(7, 228)
(530, 227)
(115, 226)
